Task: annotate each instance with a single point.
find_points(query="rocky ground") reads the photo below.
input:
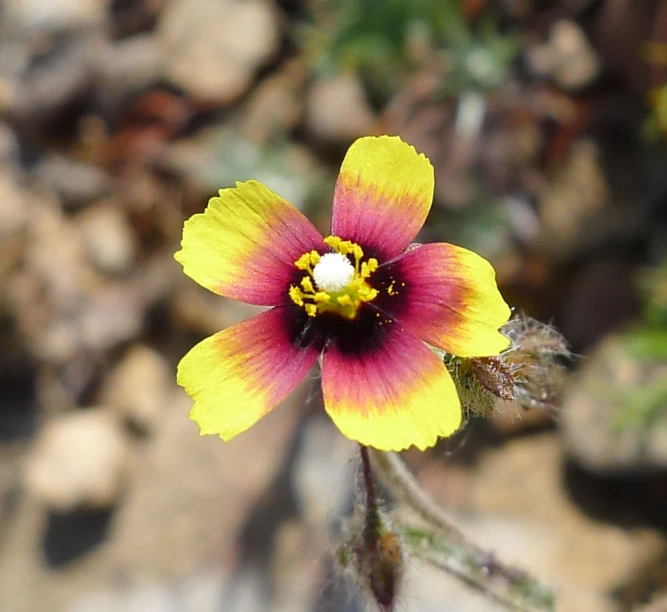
(118, 120)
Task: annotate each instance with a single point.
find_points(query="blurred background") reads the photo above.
(546, 122)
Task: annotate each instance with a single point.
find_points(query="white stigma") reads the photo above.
(333, 272)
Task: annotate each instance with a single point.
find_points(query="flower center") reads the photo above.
(333, 272)
(334, 283)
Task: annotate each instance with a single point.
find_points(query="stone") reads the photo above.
(55, 15)
(78, 461)
(234, 38)
(606, 424)
(14, 205)
(576, 197)
(275, 106)
(517, 506)
(288, 169)
(568, 58)
(108, 238)
(129, 66)
(52, 237)
(9, 144)
(112, 314)
(325, 100)
(138, 388)
(77, 183)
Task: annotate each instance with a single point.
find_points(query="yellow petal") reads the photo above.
(245, 243)
(240, 374)
(383, 195)
(391, 395)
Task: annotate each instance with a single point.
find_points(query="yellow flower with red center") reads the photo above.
(364, 299)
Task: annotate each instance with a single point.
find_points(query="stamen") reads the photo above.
(297, 295)
(307, 261)
(368, 267)
(336, 281)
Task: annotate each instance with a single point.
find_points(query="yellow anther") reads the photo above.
(297, 295)
(303, 263)
(307, 261)
(368, 267)
(344, 301)
(333, 242)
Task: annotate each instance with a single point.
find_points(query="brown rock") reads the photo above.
(568, 58)
(337, 109)
(233, 39)
(139, 386)
(78, 460)
(108, 238)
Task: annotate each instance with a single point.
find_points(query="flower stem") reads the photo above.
(372, 517)
(378, 555)
(440, 543)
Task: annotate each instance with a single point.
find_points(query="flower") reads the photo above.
(364, 299)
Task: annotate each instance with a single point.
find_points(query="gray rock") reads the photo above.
(130, 65)
(9, 145)
(39, 82)
(112, 314)
(615, 413)
(219, 156)
(76, 182)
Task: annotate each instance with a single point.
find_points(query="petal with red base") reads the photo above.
(447, 296)
(240, 374)
(392, 395)
(383, 195)
(245, 243)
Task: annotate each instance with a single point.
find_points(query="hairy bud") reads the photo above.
(529, 372)
(376, 564)
(380, 566)
(536, 359)
(495, 376)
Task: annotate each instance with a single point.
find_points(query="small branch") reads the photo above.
(442, 544)
(403, 486)
(510, 587)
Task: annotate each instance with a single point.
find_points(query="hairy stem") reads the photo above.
(372, 517)
(441, 543)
